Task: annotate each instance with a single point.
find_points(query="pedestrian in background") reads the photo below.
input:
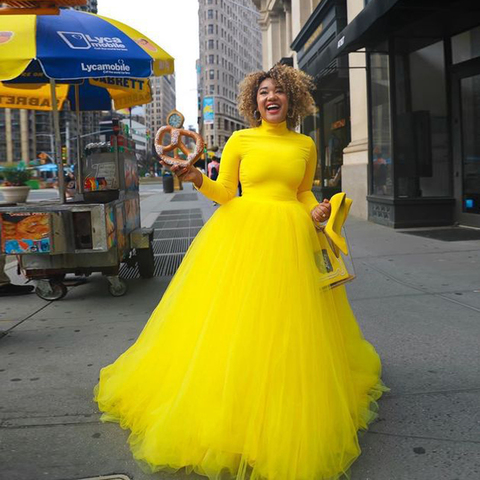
(213, 168)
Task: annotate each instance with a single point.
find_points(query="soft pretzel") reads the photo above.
(175, 143)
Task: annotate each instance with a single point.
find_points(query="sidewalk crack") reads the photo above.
(422, 437)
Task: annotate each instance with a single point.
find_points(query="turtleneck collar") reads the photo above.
(274, 128)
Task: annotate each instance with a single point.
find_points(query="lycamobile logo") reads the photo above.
(106, 67)
(83, 41)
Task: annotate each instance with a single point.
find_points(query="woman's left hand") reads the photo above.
(321, 213)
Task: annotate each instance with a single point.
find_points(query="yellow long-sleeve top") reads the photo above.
(270, 161)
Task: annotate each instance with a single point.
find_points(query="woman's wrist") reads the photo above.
(198, 180)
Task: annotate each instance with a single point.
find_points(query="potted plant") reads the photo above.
(15, 188)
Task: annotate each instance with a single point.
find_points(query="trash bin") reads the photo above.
(167, 181)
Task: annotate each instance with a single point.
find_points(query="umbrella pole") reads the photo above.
(58, 142)
(79, 131)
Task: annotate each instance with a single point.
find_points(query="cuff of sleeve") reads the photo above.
(208, 188)
(309, 201)
(202, 188)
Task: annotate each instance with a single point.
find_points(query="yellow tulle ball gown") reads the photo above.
(269, 376)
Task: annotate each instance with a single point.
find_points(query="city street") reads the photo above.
(416, 299)
(52, 194)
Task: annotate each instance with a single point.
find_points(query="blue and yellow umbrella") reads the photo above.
(77, 45)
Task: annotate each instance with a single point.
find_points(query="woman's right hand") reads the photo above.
(186, 174)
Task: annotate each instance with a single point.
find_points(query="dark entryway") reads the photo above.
(466, 141)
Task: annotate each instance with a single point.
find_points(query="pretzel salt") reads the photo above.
(175, 143)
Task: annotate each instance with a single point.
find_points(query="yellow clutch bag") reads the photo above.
(330, 262)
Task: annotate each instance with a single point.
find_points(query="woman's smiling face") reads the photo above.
(272, 102)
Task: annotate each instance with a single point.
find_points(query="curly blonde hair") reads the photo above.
(295, 83)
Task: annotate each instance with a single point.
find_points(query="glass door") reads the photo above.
(466, 122)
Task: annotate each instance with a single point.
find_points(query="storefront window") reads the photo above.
(336, 138)
(381, 161)
(422, 145)
(470, 89)
(466, 45)
(311, 127)
(329, 127)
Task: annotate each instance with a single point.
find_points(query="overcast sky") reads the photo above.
(172, 24)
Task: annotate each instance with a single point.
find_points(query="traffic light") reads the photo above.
(116, 126)
(64, 154)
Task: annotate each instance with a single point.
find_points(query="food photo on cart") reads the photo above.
(94, 227)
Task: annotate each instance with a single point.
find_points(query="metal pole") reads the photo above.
(79, 179)
(58, 142)
(67, 141)
(52, 146)
(120, 184)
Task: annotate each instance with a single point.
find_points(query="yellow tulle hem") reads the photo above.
(268, 378)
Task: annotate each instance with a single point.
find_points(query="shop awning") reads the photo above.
(382, 19)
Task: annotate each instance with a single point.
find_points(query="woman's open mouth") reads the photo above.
(273, 108)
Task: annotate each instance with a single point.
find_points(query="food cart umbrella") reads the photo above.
(31, 91)
(76, 45)
(50, 167)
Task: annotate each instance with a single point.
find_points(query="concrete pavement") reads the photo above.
(417, 300)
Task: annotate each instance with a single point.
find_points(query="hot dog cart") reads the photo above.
(95, 231)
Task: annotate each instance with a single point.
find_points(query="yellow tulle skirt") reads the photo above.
(266, 377)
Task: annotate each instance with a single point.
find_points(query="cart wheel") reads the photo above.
(146, 261)
(117, 287)
(50, 290)
(58, 278)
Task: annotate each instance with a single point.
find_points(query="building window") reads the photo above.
(211, 89)
(210, 29)
(422, 145)
(211, 59)
(466, 45)
(211, 74)
(381, 141)
(210, 14)
(211, 44)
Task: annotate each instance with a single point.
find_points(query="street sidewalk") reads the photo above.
(417, 300)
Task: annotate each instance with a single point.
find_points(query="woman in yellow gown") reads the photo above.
(269, 377)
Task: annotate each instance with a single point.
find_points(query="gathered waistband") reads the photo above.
(268, 198)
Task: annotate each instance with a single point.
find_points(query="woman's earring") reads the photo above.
(256, 115)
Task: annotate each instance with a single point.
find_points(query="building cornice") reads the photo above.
(311, 24)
